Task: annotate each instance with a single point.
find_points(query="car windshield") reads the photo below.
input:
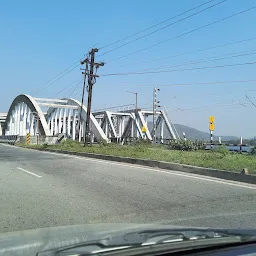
(127, 112)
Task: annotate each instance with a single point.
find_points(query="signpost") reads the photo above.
(211, 128)
(144, 129)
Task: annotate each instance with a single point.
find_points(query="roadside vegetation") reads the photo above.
(191, 153)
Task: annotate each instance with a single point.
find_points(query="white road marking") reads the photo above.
(191, 176)
(31, 173)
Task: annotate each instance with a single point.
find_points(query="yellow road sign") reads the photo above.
(211, 119)
(28, 138)
(211, 127)
(144, 129)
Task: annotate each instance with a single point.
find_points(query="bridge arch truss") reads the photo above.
(51, 117)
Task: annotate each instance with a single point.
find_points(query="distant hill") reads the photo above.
(194, 134)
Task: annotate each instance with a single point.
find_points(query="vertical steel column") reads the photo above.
(65, 121)
(21, 120)
(16, 120)
(56, 122)
(51, 123)
(25, 119)
(154, 113)
(74, 125)
(60, 119)
(32, 123)
(11, 124)
(162, 131)
(69, 121)
(28, 120)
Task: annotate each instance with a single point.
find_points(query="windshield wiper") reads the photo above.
(157, 240)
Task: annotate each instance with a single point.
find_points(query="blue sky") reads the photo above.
(41, 39)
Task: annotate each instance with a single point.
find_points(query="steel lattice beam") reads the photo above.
(62, 117)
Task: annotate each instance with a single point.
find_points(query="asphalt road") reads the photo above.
(39, 189)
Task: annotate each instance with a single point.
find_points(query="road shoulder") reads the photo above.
(227, 175)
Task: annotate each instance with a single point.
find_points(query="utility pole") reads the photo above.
(91, 81)
(155, 106)
(136, 99)
(85, 61)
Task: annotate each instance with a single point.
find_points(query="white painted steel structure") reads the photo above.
(2, 121)
(51, 117)
(124, 125)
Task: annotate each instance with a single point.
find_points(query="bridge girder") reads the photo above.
(62, 116)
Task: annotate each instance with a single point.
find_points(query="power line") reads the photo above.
(65, 88)
(198, 83)
(250, 101)
(78, 93)
(77, 87)
(143, 30)
(73, 88)
(234, 105)
(157, 30)
(243, 104)
(216, 58)
(187, 53)
(58, 78)
(199, 109)
(186, 33)
(219, 95)
(214, 96)
(62, 72)
(176, 70)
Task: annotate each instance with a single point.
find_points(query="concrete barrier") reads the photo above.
(222, 174)
(50, 140)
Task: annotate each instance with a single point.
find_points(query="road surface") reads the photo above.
(41, 189)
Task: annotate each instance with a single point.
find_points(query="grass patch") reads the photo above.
(213, 159)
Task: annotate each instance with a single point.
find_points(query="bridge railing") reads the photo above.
(9, 139)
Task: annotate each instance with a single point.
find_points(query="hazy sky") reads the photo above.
(40, 39)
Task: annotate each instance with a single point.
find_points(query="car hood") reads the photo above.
(30, 242)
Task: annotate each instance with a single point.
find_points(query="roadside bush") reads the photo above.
(69, 143)
(45, 145)
(103, 143)
(187, 145)
(253, 151)
(199, 145)
(222, 150)
(142, 142)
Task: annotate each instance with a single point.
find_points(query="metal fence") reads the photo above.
(9, 139)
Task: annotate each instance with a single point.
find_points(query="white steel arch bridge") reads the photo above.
(51, 117)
